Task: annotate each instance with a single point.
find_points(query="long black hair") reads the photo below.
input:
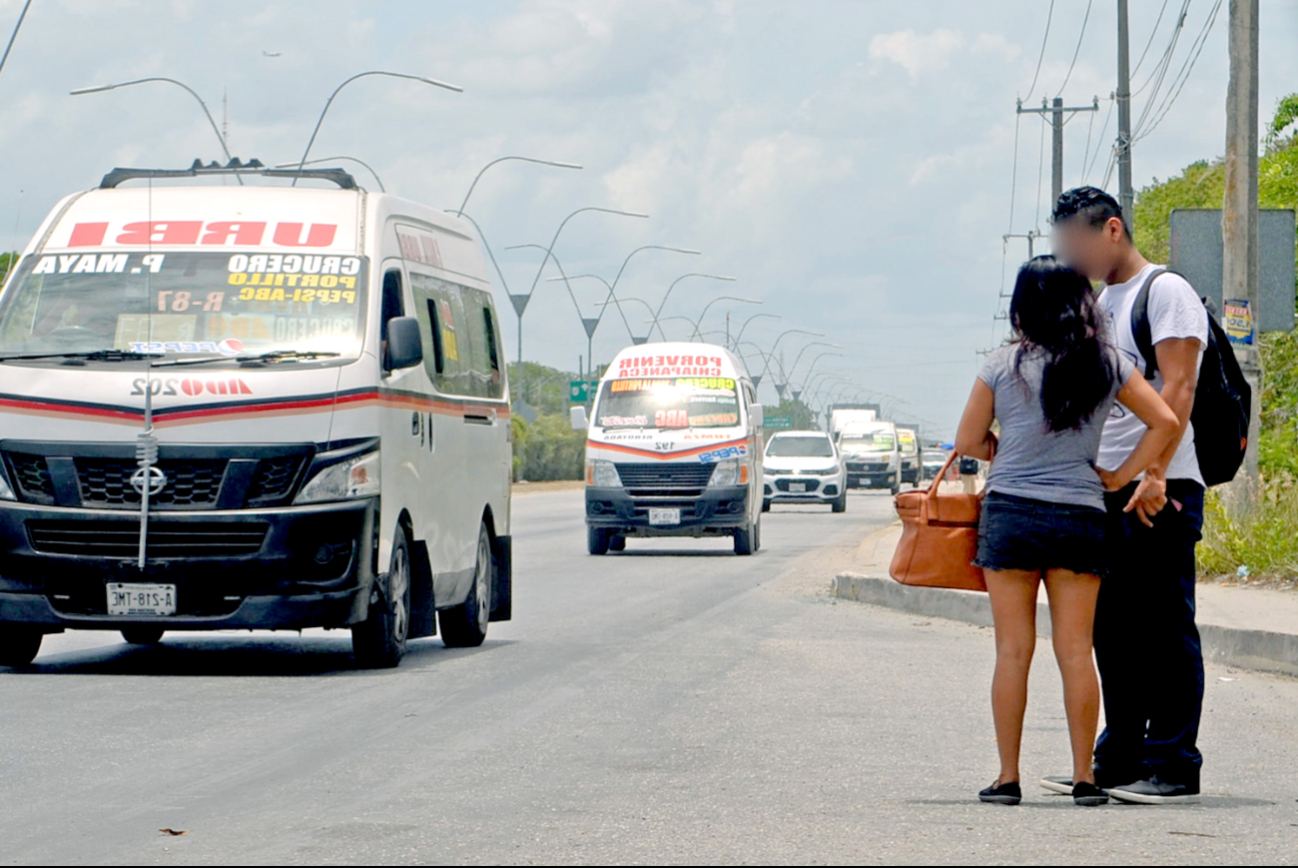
(1054, 310)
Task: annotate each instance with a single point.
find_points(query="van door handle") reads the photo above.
(480, 415)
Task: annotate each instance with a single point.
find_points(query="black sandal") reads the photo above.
(1089, 795)
(1002, 794)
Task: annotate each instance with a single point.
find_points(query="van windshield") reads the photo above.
(879, 441)
(908, 444)
(800, 447)
(184, 303)
(669, 402)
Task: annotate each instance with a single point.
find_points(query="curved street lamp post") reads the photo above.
(434, 82)
(668, 293)
(561, 165)
(699, 324)
(740, 336)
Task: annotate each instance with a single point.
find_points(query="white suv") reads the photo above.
(803, 467)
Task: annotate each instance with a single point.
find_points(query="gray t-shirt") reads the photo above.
(1032, 462)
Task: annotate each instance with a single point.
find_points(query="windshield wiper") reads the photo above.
(263, 358)
(90, 356)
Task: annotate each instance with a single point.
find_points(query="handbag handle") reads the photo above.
(937, 480)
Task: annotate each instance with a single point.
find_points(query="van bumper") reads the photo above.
(717, 512)
(289, 568)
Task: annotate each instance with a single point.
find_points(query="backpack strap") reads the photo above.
(1140, 328)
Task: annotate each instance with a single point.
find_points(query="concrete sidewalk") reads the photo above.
(1252, 628)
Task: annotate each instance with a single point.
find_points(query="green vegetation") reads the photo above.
(1264, 538)
(546, 448)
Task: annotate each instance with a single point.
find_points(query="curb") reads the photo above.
(1258, 650)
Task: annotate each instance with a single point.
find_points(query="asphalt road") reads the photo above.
(673, 703)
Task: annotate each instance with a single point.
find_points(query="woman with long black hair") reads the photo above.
(1043, 518)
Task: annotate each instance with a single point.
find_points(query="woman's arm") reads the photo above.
(974, 437)
(1140, 398)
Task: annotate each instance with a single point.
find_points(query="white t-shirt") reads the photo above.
(1175, 311)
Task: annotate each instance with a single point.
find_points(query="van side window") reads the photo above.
(393, 306)
(487, 380)
(438, 360)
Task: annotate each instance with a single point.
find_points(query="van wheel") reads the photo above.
(142, 635)
(617, 543)
(597, 540)
(766, 506)
(465, 625)
(379, 642)
(745, 540)
(18, 644)
(839, 504)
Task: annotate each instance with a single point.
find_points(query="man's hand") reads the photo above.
(1149, 498)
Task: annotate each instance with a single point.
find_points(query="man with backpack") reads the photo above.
(1146, 643)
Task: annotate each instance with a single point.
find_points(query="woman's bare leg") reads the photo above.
(1014, 611)
(1072, 616)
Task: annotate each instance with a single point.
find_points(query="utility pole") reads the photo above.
(1239, 216)
(1126, 195)
(1032, 235)
(1056, 111)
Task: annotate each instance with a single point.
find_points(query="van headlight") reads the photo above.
(602, 474)
(346, 480)
(731, 471)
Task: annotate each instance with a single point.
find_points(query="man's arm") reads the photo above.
(1178, 361)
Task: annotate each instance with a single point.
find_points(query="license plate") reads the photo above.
(797, 487)
(664, 515)
(139, 599)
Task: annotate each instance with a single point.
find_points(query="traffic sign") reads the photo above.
(579, 391)
(777, 423)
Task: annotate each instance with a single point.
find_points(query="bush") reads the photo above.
(1260, 538)
(548, 449)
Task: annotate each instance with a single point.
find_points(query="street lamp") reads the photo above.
(750, 319)
(586, 323)
(612, 287)
(788, 375)
(810, 368)
(520, 301)
(699, 324)
(618, 301)
(377, 179)
(103, 87)
(503, 159)
(781, 337)
(434, 82)
(667, 294)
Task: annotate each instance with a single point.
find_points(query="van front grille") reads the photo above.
(121, 539)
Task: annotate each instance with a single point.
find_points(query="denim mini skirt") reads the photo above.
(1018, 533)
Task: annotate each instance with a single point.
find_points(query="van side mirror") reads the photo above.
(577, 415)
(404, 347)
(757, 414)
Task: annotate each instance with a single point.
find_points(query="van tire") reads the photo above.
(597, 540)
(746, 539)
(465, 625)
(766, 506)
(617, 543)
(839, 504)
(19, 644)
(142, 635)
(379, 642)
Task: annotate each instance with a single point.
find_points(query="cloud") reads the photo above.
(917, 52)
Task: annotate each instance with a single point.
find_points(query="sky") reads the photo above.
(854, 165)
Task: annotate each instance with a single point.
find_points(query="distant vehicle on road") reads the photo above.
(251, 407)
(673, 448)
(932, 460)
(804, 467)
(872, 455)
(908, 441)
(843, 415)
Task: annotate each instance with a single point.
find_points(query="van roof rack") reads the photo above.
(340, 177)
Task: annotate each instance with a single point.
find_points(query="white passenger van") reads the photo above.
(872, 454)
(260, 406)
(674, 448)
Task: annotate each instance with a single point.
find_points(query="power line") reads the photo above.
(1156, 77)
(1182, 76)
(1152, 34)
(14, 35)
(1042, 56)
(1077, 50)
(1087, 167)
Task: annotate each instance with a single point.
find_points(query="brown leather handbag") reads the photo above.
(939, 538)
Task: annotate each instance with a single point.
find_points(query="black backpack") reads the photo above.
(1222, 400)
